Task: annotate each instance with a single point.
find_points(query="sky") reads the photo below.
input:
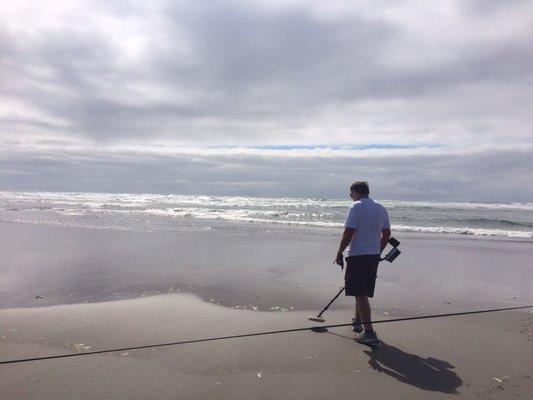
(425, 100)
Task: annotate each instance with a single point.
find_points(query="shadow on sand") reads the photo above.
(428, 373)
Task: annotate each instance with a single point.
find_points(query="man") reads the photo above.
(366, 232)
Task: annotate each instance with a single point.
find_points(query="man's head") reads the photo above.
(359, 189)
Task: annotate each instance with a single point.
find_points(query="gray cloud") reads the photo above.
(440, 176)
(232, 72)
(100, 74)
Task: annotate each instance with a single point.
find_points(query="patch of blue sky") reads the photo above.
(376, 146)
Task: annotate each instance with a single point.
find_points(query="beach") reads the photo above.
(483, 356)
(188, 190)
(261, 269)
(69, 288)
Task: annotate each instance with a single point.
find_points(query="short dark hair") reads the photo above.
(360, 187)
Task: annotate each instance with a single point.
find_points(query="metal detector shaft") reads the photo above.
(332, 300)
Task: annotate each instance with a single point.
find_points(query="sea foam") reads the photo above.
(150, 211)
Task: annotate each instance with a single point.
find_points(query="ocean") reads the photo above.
(317, 216)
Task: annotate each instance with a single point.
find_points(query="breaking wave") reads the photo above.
(146, 211)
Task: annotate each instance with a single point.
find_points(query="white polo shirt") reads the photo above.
(369, 218)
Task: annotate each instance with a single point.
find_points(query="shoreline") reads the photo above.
(274, 228)
(396, 312)
(71, 265)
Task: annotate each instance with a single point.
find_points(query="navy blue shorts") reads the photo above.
(360, 276)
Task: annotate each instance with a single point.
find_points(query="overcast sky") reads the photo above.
(426, 100)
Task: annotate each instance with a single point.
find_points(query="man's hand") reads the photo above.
(385, 235)
(346, 238)
(339, 260)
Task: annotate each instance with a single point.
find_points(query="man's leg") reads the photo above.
(357, 327)
(362, 306)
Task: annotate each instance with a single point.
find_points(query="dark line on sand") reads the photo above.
(87, 353)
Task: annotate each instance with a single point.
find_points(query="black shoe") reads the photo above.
(356, 326)
(369, 338)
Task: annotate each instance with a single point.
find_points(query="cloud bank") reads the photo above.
(273, 98)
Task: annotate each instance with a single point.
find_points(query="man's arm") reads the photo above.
(385, 235)
(346, 238)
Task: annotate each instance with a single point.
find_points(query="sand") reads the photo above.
(255, 269)
(482, 356)
(68, 290)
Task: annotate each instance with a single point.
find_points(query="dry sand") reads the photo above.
(486, 356)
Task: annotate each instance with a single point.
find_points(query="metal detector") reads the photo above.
(319, 317)
(390, 257)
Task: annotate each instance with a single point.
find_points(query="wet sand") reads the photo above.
(483, 356)
(257, 269)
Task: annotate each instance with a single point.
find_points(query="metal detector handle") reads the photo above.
(393, 242)
(391, 255)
